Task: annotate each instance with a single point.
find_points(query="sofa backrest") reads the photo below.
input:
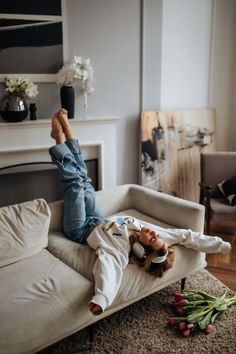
(111, 202)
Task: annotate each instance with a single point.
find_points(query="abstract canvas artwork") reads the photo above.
(30, 37)
(171, 143)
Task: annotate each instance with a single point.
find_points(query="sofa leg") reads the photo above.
(182, 284)
(91, 335)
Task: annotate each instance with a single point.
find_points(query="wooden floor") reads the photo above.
(223, 267)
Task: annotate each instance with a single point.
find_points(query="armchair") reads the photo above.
(216, 167)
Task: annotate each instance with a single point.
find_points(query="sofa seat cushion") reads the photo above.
(221, 210)
(81, 258)
(23, 230)
(136, 283)
(42, 301)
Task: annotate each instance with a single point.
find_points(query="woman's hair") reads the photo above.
(146, 263)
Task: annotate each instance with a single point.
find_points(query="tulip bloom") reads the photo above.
(209, 329)
(180, 311)
(178, 296)
(190, 326)
(172, 321)
(186, 333)
(182, 326)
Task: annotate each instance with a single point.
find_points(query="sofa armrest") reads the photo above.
(174, 211)
(171, 210)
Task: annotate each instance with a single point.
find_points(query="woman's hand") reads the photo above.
(95, 309)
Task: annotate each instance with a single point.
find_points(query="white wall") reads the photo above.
(222, 89)
(198, 64)
(186, 29)
(108, 32)
(151, 54)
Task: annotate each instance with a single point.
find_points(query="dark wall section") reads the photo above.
(29, 7)
(40, 180)
(47, 34)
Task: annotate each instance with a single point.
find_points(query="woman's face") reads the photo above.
(149, 237)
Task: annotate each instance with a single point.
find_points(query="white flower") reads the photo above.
(79, 69)
(21, 85)
(32, 90)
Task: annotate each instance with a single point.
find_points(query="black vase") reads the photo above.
(67, 95)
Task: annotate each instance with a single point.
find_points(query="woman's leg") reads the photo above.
(74, 218)
(91, 207)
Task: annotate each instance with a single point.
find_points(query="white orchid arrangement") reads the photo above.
(21, 85)
(77, 69)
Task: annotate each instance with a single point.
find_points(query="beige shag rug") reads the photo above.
(142, 327)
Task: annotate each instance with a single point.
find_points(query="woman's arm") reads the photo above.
(196, 241)
(108, 276)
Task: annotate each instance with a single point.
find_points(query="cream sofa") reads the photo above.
(45, 291)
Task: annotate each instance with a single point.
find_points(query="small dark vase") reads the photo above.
(13, 107)
(68, 100)
(33, 109)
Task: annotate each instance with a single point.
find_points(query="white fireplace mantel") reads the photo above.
(29, 141)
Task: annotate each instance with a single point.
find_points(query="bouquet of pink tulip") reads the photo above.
(198, 310)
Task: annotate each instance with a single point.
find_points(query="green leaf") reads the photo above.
(192, 319)
(213, 318)
(192, 294)
(231, 301)
(195, 317)
(207, 296)
(206, 320)
(198, 302)
(221, 307)
(200, 309)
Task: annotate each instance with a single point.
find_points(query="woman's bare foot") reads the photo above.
(63, 118)
(57, 131)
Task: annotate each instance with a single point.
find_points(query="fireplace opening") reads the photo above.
(27, 181)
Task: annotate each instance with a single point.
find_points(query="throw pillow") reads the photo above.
(228, 189)
(23, 230)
